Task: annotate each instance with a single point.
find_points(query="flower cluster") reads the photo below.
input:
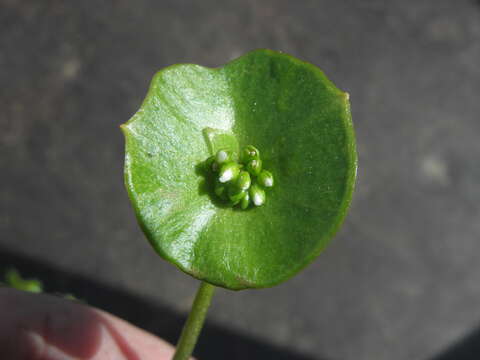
(240, 181)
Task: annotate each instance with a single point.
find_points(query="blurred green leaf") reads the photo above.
(14, 280)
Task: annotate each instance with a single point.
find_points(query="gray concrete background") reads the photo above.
(400, 281)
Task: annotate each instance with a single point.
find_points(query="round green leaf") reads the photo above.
(301, 125)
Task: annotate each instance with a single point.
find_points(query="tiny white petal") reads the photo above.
(226, 176)
(222, 156)
(268, 182)
(257, 199)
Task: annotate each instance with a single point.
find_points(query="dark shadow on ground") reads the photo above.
(467, 348)
(215, 342)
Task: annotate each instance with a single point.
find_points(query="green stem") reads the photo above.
(194, 323)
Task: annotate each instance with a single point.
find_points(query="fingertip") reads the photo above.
(34, 324)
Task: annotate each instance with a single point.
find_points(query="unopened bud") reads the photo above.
(257, 194)
(244, 181)
(228, 171)
(265, 178)
(224, 156)
(250, 153)
(254, 167)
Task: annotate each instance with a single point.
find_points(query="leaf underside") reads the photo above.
(301, 124)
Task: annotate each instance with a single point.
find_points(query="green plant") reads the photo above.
(14, 280)
(301, 125)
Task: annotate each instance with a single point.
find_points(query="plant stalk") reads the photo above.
(194, 323)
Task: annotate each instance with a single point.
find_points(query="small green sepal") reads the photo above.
(235, 195)
(207, 165)
(220, 189)
(245, 202)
